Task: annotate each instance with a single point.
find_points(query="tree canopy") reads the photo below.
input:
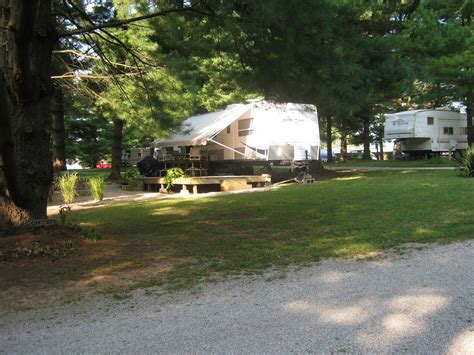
(143, 66)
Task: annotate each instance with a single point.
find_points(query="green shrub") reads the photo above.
(467, 163)
(131, 173)
(97, 187)
(68, 187)
(171, 175)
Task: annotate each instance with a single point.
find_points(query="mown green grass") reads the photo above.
(91, 172)
(86, 173)
(295, 224)
(437, 162)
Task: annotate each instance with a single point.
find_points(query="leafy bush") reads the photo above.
(68, 187)
(97, 187)
(467, 163)
(171, 175)
(131, 173)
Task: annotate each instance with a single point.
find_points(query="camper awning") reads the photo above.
(196, 130)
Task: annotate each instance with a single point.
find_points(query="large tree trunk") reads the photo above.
(381, 152)
(470, 133)
(59, 133)
(329, 137)
(26, 43)
(366, 138)
(117, 150)
(343, 146)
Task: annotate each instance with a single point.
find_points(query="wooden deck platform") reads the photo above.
(226, 183)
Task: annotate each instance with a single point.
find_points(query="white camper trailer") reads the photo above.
(253, 132)
(427, 131)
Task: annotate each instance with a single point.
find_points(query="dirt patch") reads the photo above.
(119, 279)
(73, 268)
(28, 262)
(50, 242)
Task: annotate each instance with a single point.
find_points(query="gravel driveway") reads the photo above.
(419, 302)
(393, 168)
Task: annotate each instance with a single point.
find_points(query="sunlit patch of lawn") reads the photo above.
(435, 162)
(300, 223)
(178, 242)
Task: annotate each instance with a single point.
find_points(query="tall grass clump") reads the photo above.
(467, 163)
(68, 187)
(97, 187)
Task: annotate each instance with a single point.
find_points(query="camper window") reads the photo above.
(449, 131)
(245, 127)
(430, 121)
(228, 129)
(463, 131)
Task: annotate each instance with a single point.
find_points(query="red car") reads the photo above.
(103, 164)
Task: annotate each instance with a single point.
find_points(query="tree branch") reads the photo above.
(93, 76)
(80, 54)
(120, 23)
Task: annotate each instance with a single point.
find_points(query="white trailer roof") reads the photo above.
(197, 129)
(274, 124)
(284, 123)
(414, 112)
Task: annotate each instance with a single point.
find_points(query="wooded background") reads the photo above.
(84, 79)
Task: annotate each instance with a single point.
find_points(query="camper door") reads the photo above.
(446, 140)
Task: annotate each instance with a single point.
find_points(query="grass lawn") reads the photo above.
(178, 242)
(91, 172)
(95, 172)
(438, 162)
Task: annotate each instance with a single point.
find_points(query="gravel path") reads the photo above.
(113, 194)
(419, 302)
(392, 168)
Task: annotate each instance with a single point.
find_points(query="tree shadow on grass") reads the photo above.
(183, 241)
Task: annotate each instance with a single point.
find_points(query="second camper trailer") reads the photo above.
(427, 131)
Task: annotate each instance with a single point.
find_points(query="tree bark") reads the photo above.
(366, 138)
(117, 150)
(59, 133)
(470, 133)
(26, 44)
(343, 146)
(329, 138)
(381, 150)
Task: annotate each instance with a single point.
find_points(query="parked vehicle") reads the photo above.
(103, 164)
(427, 131)
(259, 131)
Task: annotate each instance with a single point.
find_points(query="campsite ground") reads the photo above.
(427, 163)
(418, 302)
(177, 243)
